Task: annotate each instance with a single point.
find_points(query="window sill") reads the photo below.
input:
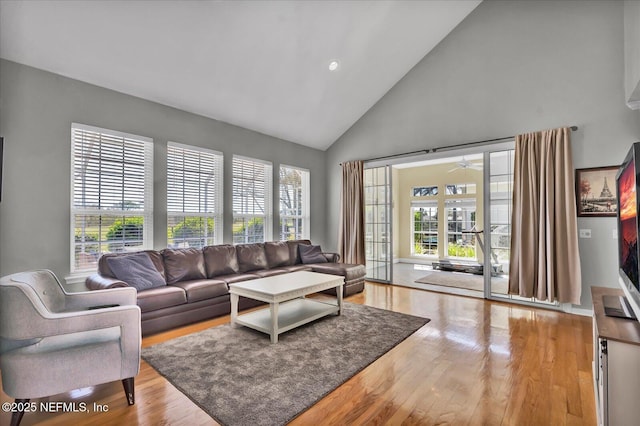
(76, 282)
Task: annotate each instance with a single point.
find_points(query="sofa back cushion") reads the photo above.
(183, 264)
(311, 254)
(278, 254)
(137, 270)
(294, 253)
(251, 257)
(105, 270)
(220, 260)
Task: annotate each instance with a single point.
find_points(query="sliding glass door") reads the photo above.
(377, 200)
(499, 201)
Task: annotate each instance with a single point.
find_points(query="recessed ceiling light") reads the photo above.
(334, 65)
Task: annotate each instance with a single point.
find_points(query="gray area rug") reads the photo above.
(464, 280)
(239, 378)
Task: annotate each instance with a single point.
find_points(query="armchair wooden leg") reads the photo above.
(129, 390)
(16, 417)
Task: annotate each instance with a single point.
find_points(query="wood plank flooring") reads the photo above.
(475, 363)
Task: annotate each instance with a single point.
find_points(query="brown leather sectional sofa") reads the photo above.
(197, 280)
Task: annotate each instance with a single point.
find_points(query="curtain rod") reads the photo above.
(447, 148)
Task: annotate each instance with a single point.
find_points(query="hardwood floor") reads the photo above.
(477, 362)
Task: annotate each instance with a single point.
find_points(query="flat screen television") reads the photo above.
(627, 187)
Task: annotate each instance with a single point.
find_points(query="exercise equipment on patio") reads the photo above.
(470, 267)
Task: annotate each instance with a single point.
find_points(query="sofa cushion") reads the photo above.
(161, 297)
(277, 253)
(294, 253)
(220, 260)
(251, 257)
(203, 289)
(105, 270)
(236, 278)
(311, 254)
(294, 268)
(347, 270)
(136, 270)
(270, 272)
(183, 264)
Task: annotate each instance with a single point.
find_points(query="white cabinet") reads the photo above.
(616, 365)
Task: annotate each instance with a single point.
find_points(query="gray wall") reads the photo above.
(632, 52)
(36, 112)
(510, 68)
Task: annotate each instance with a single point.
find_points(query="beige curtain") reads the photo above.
(545, 262)
(351, 236)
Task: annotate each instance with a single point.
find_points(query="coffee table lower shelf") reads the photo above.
(289, 315)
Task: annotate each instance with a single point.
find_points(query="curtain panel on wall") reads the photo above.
(545, 262)
(351, 233)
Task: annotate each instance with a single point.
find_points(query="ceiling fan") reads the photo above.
(465, 164)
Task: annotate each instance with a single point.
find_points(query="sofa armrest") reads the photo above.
(43, 323)
(98, 282)
(332, 257)
(93, 299)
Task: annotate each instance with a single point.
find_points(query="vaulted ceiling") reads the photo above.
(262, 65)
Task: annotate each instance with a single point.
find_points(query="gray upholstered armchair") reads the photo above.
(52, 341)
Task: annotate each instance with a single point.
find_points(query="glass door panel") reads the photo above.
(377, 200)
(499, 197)
(460, 218)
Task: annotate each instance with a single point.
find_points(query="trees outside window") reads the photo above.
(425, 231)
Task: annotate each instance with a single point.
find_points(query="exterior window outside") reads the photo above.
(294, 203)
(425, 230)
(424, 191)
(111, 194)
(252, 200)
(194, 196)
(461, 216)
(460, 189)
(456, 210)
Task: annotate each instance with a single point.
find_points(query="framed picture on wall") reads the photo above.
(596, 191)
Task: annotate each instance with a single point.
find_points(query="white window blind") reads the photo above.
(424, 203)
(112, 194)
(294, 203)
(252, 200)
(467, 203)
(194, 196)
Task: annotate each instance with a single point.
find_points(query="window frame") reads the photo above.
(304, 218)
(267, 195)
(468, 188)
(430, 232)
(463, 204)
(216, 174)
(102, 212)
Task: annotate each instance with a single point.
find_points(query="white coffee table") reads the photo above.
(288, 307)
